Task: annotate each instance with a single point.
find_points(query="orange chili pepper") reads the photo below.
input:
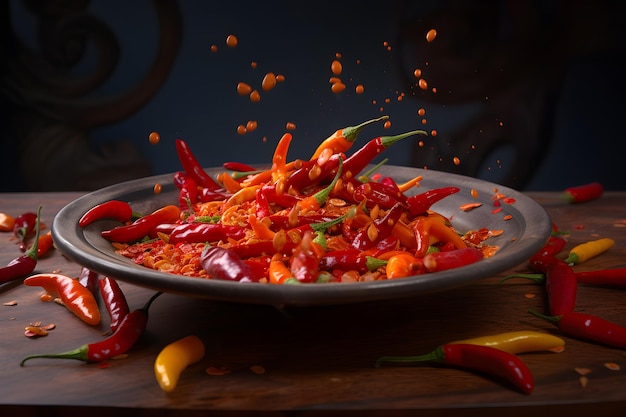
(45, 244)
(231, 185)
(279, 160)
(403, 265)
(261, 230)
(342, 139)
(77, 298)
(278, 271)
(6, 222)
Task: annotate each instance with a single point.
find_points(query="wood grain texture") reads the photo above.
(317, 360)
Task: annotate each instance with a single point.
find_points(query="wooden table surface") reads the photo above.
(316, 360)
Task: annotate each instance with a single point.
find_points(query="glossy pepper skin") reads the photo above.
(24, 225)
(112, 209)
(561, 287)
(193, 168)
(78, 299)
(114, 301)
(420, 203)
(484, 359)
(441, 261)
(368, 236)
(205, 232)
(175, 358)
(142, 226)
(225, 264)
(118, 343)
(342, 139)
(588, 327)
(583, 193)
(515, 342)
(25, 264)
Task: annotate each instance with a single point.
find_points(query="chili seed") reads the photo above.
(387, 124)
(431, 35)
(359, 89)
(612, 366)
(157, 188)
(372, 232)
(30, 331)
(422, 84)
(269, 81)
(10, 303)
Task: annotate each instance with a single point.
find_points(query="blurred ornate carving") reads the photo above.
(53, 106)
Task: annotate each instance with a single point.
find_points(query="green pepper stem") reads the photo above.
(374, 263)
(552, 319)
(322, 226)
(33, 251)
(366, 175)
(80, 353)
(322, 195)
(538, 278)
(351, 133)
(387, 141)
(436, 355)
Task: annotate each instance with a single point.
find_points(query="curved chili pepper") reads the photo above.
(588, 327)
(114, 301)
(484, 359)
(187, 190)
(403, 265)
(206, 195)
(25, 264)
(583, 193)
(6, 222)
(281, 221)
(225, 264)
(440, 261)
(78, 299)
(238, 166)
(585, 251)
(378, 193)
(421, 203)
(279, 273)
(193, 168)
(313, 172)
(112, 209)
(89, 279)
(205, 232)
(118, 343)
(515, 342)
(24, 225)
(380, 228)
(315, 201)
(342, 139)
(175, 358)
(349, 259)
(362, 157)
(142, 226)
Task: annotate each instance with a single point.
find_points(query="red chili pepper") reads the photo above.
(362, 157)
(114, 301)
(378, 193)
(349, 259)
(305, 259)
(379, 229)
(588, 327)
(238, 166)
(281, 221)
(187, 190)
(193, 168)
(610, 277)
(45, 244)
(440, 261)
(271, 195)
(225, 264)
(583, 193)
(25, 264)
(206, 196)
(561, 287)
(142, 226)
(342, 139)
(478, 358)
(118, 343)
(205, 232)
(113, 209)
(89, 279)
(547, 254)
(24, 225)
(78, 299)
(315, 201)
(420, 203)
(313, 172)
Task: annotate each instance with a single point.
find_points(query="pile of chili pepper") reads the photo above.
(25, 264)
(300, 221)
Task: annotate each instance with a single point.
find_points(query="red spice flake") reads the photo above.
(509, 200)
(290, 126)
(474, 193)
(337, 87)
(257, 369)
(507, 217)
(359, 89)
(387, 124)
(157, 188)
(495, 233)
(557, 349)
(611, 366)
(104, 365)
(530, 295)
(10, 303)
(579, 226)
(470, 206)
(496, 210)
(217, 370)
(583, 381)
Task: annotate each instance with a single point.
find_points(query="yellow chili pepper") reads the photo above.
(588, 250)
(175, 358)
(518, 341)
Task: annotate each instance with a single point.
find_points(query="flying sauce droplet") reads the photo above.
(336, 67)
(154, 138)
(243, 89)
(359, 89)
(431, 35)
(269, 81)
(231, 41)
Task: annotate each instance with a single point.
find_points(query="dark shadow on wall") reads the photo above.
(529, 94)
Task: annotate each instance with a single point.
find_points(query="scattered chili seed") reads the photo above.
(251, 125)
(582, 371)
(612, 366)
(34, 331)
(495, 233)
(241, 130)
(158, 188)
(217, 371)
(508, 217)
(583, 381)
(10, 303)
(470, 206)
(290, 126)
(474, 193)
(269, 81)
(530, 295)
(49, 326)
(387, 124)
(359, 89)
(417, 73)
(213, 48)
